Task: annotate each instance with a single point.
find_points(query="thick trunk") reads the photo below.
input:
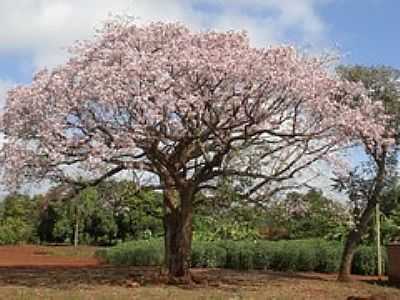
(178, 240)
(353, 240)
(178, 245)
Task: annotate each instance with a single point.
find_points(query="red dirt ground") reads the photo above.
(36, 256)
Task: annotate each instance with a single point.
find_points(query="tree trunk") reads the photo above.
(178, 239)
(353, 240)
(355, 235)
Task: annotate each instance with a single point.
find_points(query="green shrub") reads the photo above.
(208, 254)
(136, 253)
(246, 256)
(307, 256)
(232, 254)
(8, 236)
(286, 258)
(262, 258)
(328, 257)
(365, 260)
(295, 255)
(14, 231)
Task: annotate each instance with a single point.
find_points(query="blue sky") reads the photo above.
(365, 31)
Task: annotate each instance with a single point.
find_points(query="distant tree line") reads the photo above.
(114, 211)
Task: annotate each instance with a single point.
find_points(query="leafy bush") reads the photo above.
(14, 231)
(135, 253)
(8, 235)
(295, 255)
(328, 256)
(246, 257)
(232, 254)
(365, 260)
(207, 254)
(17, 220)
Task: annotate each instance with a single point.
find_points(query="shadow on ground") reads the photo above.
(383, 283)
(66, 277)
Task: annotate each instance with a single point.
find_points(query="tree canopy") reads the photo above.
(183, 109)
(181, 105)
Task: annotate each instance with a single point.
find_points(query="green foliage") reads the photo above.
(116, 211)
(228, 227)
(328, 256)
(303, 216)
(135, 253)
(365, 260)
(18, 220)
(230, 222)
(106, 214)
(296, 255)
(62, 230)
(206, 254)
(390, 212)
(136, 214)
(14, 231)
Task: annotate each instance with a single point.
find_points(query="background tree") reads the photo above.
(313, 215)
(18, 216)
(109, 212)
(134, 211)
(366, 185)
(181, 109)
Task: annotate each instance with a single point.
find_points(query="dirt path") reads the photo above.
(38, 256)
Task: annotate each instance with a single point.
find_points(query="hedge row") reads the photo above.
(294, 255)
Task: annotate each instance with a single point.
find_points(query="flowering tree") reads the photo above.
(365, 186)
(183, 108)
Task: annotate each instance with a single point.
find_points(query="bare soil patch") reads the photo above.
(41, 256)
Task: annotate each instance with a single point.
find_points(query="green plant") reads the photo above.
(293, 255)
(208, 254)
(137, 253)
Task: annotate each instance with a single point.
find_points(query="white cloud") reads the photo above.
(281, 16)
(43, 27)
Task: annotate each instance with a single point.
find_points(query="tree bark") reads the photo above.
(178, 238)
(353, 240)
